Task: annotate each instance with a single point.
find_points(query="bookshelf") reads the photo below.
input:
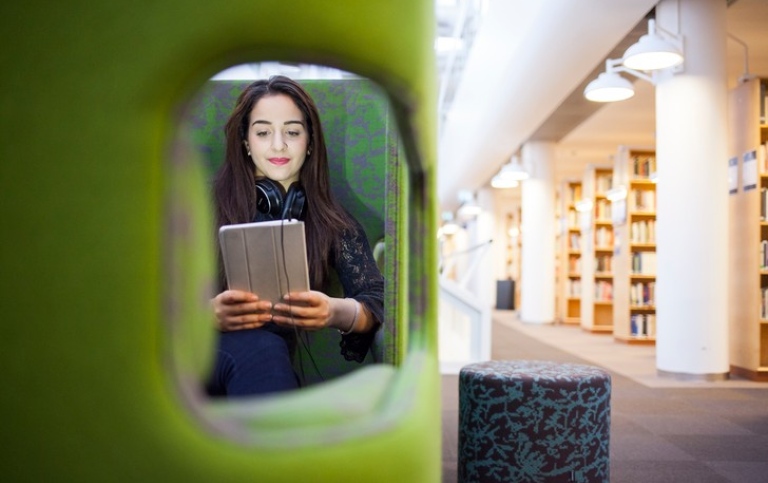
(633, 210)
(558, 257)
(513, 249)
(748, 225)
(596, 306)
(569, 254)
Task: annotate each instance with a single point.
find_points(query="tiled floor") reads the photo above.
(662, 430)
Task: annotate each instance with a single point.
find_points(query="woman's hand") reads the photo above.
(238, 310)
(309, 310)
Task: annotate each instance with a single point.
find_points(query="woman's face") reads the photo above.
(277, 138)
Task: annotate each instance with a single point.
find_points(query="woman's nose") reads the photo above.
(278, 143)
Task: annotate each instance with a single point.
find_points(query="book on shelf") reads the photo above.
(574, 242)
(642, 200)
(602, 210)
(573, 288)
(643, 166)
(574, 192)
(642, 325)
(603, 237)
(574, 264)
(644, 263)
(603, 291)
(573, 219)
(642, 231)
(603, 263)
(603, 183)
(764, 303)
(764, 255)
(642, 294)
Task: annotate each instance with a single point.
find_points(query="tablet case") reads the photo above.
(266, 258)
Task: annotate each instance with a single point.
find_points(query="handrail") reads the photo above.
(462, 300)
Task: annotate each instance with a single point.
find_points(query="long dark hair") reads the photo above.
(234, 185)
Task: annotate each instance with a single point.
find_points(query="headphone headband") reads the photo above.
(275, 202)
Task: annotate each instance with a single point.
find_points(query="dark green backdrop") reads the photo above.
(362, 146)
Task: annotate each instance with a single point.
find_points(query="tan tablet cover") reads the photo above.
(266, 258)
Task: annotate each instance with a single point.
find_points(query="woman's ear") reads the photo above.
(247, 148)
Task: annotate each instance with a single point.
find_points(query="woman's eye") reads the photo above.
(262, 134)
(294, 133)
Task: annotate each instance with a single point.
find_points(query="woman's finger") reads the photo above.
(248, 308)
(247, 321)
(230, 297)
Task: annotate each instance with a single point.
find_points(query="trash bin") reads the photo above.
(505, 294)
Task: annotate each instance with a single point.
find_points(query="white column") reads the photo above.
(692, 196)
(482, 282)
(537, 265)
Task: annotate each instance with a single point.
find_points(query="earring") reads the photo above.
(309, 151)
(249, 152)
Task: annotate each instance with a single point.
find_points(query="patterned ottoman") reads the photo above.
(533, 421)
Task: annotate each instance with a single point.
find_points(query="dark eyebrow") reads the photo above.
(259, 121)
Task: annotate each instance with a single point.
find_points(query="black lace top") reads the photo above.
(360, 279)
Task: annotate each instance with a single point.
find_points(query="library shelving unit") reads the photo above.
(596, 250)
(569, 254)
(512, 267)
(558, 258)
(633, 210)
(748, 220)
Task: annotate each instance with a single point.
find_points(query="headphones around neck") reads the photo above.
(275, 202)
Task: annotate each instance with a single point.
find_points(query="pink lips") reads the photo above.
(279, 161)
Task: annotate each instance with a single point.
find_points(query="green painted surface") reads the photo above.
(103, 258)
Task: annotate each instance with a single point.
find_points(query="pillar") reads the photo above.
(692, 196)
(482, 240)
(537, 265)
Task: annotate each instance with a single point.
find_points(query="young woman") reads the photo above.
(276, 167)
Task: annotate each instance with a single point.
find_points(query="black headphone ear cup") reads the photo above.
(270, 197)
(295, 205)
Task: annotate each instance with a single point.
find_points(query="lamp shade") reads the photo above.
(504, 182)
(469, 210)
(510, 174)
(652, 52)
(609, 87)
(469, 207)
(448, 229)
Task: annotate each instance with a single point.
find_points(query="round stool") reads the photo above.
(533, 421)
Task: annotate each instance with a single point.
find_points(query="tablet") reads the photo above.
(266, 258)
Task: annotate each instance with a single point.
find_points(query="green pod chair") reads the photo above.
(107, 260)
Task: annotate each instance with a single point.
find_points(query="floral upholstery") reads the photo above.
(533, 421)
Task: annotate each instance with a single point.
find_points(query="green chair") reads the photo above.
(107, 257)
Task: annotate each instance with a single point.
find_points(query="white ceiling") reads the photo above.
(527, 60)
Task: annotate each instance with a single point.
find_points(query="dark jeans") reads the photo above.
(251, 362)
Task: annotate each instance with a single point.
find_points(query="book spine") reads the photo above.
(651, 325)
